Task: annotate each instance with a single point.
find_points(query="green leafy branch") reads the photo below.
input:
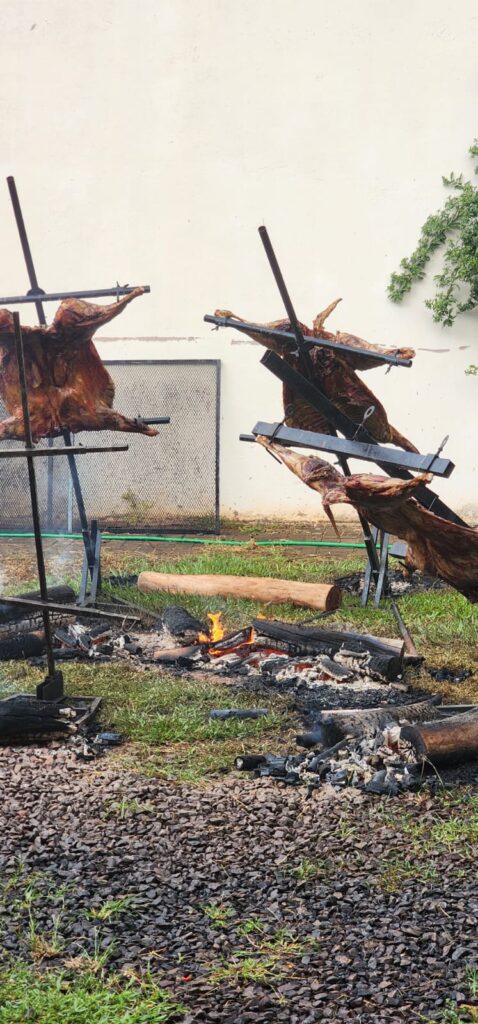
(455, 226)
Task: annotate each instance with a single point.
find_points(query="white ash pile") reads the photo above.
(362, 749)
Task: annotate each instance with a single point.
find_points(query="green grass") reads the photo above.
(165, 718)
(394, 873)
(267, 960)
(63, 998)
(218, 914)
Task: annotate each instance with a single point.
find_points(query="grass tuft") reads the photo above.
(63, 998)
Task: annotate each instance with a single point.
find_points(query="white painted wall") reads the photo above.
(150, 138)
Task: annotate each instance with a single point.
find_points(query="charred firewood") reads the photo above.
(222, 714)
(385, 658)
(334, 726)
(447, 741)
(27, 716)
(179, 622)
(24, 645)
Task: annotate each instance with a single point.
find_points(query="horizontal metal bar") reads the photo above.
(154, 419)
(290, 339)
(47, 453)
(89, 293)
(68, 609)
(355, 449)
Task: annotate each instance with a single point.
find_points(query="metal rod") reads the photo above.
(154, 419)
(284, 294)
(68, 609)
(12, 188)
(352, 449)
(33, 493)
(309, 342)
(34, 289)
(41, 453)
(307, 366)
(407, 637)
(88, 293)
(80, 504)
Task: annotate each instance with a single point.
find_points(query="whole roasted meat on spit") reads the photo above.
(69, 388)
(334, 373)
(435, 545)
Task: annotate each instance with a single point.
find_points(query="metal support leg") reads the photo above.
(381, 585)
(52, 687)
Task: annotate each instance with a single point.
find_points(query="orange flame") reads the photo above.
(216, 631)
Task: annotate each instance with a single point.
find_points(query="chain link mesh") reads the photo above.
(165, 483)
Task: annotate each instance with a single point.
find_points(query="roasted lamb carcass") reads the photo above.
(334, 374)
(69, 388)
(435, 546)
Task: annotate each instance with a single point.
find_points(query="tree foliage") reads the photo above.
(454, 227)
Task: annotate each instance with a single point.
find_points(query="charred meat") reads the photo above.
(435, 546)
(335, 374)
(69, 388)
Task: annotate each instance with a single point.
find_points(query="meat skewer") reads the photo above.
(435, 545)
(69, 388)
(334, 373)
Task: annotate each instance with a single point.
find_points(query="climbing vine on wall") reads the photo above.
(455, 229)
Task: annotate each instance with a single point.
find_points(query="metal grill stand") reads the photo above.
(91, 572)
(358, 443)
(51, 689)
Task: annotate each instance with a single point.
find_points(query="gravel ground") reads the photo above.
(366, 954)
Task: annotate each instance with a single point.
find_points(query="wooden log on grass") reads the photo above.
(447, 741)
(322, 596)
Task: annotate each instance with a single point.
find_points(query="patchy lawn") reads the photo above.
(149, 887)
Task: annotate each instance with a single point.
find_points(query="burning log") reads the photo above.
(447, 741)
(322, 596)
(335, 726)
(385, 657)
(15, 613)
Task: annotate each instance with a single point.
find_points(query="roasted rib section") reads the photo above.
(335, 375)
(435, 546)
(69, 388)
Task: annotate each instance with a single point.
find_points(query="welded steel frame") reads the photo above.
(393, 457)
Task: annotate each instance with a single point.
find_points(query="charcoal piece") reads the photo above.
(316, 738)
(249, 762)
(450, 675)
(178, 621)
(276, 767)
(110, 739)
(334, 669)
(105, 648)
(274, 664)
(338, 778)
(383, 784)
(221, 714)
(133, 648)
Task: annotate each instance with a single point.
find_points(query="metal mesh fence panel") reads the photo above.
(166, 483)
